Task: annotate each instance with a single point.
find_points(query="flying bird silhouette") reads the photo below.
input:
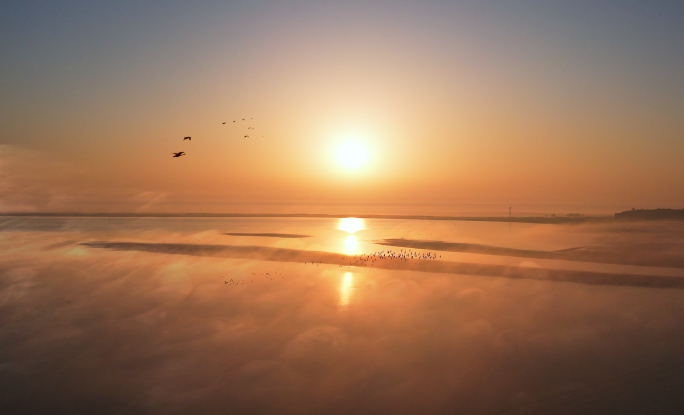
(243, 119)
(180, 153)
(224, 122)
(246, 136)
(187, 138)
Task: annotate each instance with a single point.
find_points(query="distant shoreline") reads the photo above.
(651, 214)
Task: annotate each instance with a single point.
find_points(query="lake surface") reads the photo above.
(305, 315)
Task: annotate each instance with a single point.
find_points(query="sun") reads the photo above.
(352, 155)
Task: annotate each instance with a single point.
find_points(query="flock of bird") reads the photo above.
(182, 153)
(268, 275)
(401, 255)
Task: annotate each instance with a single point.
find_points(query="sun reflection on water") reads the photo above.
(351, 225)
(346, 290)
(351, 243)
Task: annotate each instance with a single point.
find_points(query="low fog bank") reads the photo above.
(432, 266)
(148, 328)
(350, 214)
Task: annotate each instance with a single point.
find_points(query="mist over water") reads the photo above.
(245, 315)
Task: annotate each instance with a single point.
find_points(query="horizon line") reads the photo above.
(520, 219)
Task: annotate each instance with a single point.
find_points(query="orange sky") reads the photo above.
(503, 105)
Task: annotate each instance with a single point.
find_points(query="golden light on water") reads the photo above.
(351, 243)
(351, 225)
(346, 290)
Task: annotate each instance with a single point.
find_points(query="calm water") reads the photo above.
(317, 316)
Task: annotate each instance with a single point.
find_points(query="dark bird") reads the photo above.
(224, 122)
(180, 153)
(243, 119)
(233, 120)
(187, 138)
(246, 136)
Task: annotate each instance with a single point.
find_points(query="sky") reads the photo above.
(473, 103)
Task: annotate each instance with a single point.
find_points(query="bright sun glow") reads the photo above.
(352, 155)
(351, 225)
